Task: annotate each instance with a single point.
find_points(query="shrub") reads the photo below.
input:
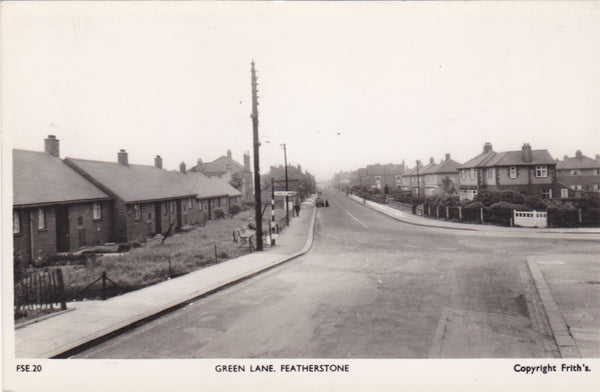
(234, 209)
(535, 203)
(219, 213)
(475, 205)
(503, 205)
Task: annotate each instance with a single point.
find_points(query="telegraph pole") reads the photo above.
(287, 204)
(254, 116)
(418, 181)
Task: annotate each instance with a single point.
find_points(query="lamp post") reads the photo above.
(287, 204)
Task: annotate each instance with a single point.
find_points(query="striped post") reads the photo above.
(272, 224)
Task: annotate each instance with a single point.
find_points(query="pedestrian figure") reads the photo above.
(296, 210)
(326, 203)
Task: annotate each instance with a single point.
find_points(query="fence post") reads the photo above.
(103, 285)
(460, 213)
(580, 217)
(447, 213)
(481, 214)
(216, 258)
(170, 270)
(61, 289)
(437, 211)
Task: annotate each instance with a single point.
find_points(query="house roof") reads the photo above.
(578, 163)
(206, 187)
(509, 158)
(41, 178)
(219, 165)
(380, 170)
(478, 160)
(447, 166)
(134, 183)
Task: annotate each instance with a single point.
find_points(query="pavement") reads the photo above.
(89, 322)
(590, 232)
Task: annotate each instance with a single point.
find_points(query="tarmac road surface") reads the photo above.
(373, 287)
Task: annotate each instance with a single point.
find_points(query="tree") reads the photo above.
(448, 186)
(237, 181)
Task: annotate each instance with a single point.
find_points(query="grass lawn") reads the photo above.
(149, 264)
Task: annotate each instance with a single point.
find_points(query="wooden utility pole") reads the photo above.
(287, 188)
(254, 116)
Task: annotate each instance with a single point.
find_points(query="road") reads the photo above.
(371, 287)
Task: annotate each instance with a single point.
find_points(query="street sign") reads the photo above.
(285, 193)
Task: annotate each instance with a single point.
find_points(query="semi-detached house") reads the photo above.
(579, 176)
(527, 171)
(55, 209)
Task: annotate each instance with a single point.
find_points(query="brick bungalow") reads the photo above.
(146, 199)
(55, 209)
(229, 170)
(213, 193)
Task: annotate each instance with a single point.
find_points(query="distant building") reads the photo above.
(413, 179)
(442, 178)
(229, 170)
(579, 176)
(55, 209)
(527, 171)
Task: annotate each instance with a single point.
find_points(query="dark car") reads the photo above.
(319, 202)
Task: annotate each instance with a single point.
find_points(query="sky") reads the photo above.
(342, 84)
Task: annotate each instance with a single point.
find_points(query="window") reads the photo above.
(463, 174)
(575, 172)
(490, 174)
(97, 211)
(41, 219)
(564, 193)
(472, 174)
(547, 193)
(576, 187)
(597, 172)
(190, 203)
(16, 222)
(80, 220)
(595, 187)
(138, 211)
(512, 172)
(173, 206)
(541, 171)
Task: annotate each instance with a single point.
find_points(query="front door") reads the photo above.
(62, 229)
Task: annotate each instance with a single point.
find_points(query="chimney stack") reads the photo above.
(51, 146)
(447, 156)
(158, 162)
(578, 154)
(431, 160)
(526, 153)
(229, 154)
(487, 147)
(247, 161)
(122, 157)
(598, 157)
(565, 157)
(182, 167)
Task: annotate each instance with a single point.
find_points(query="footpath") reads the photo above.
(589, 232)
(89, 322)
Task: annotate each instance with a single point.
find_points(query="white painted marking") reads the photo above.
(556, 262)
(448, 249)
(353, 217)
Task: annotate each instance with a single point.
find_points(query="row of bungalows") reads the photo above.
(67, 205)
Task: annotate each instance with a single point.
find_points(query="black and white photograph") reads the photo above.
(266, 195)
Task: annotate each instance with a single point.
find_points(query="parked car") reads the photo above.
(319, 202)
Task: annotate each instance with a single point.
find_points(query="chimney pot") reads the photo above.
(431, 160)
(526, 153)
(229, 154)
(158, 162)
(122, 157)
(51, 145)
(182, 167)
(578, 154)
(487, 147)
(447, 156)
